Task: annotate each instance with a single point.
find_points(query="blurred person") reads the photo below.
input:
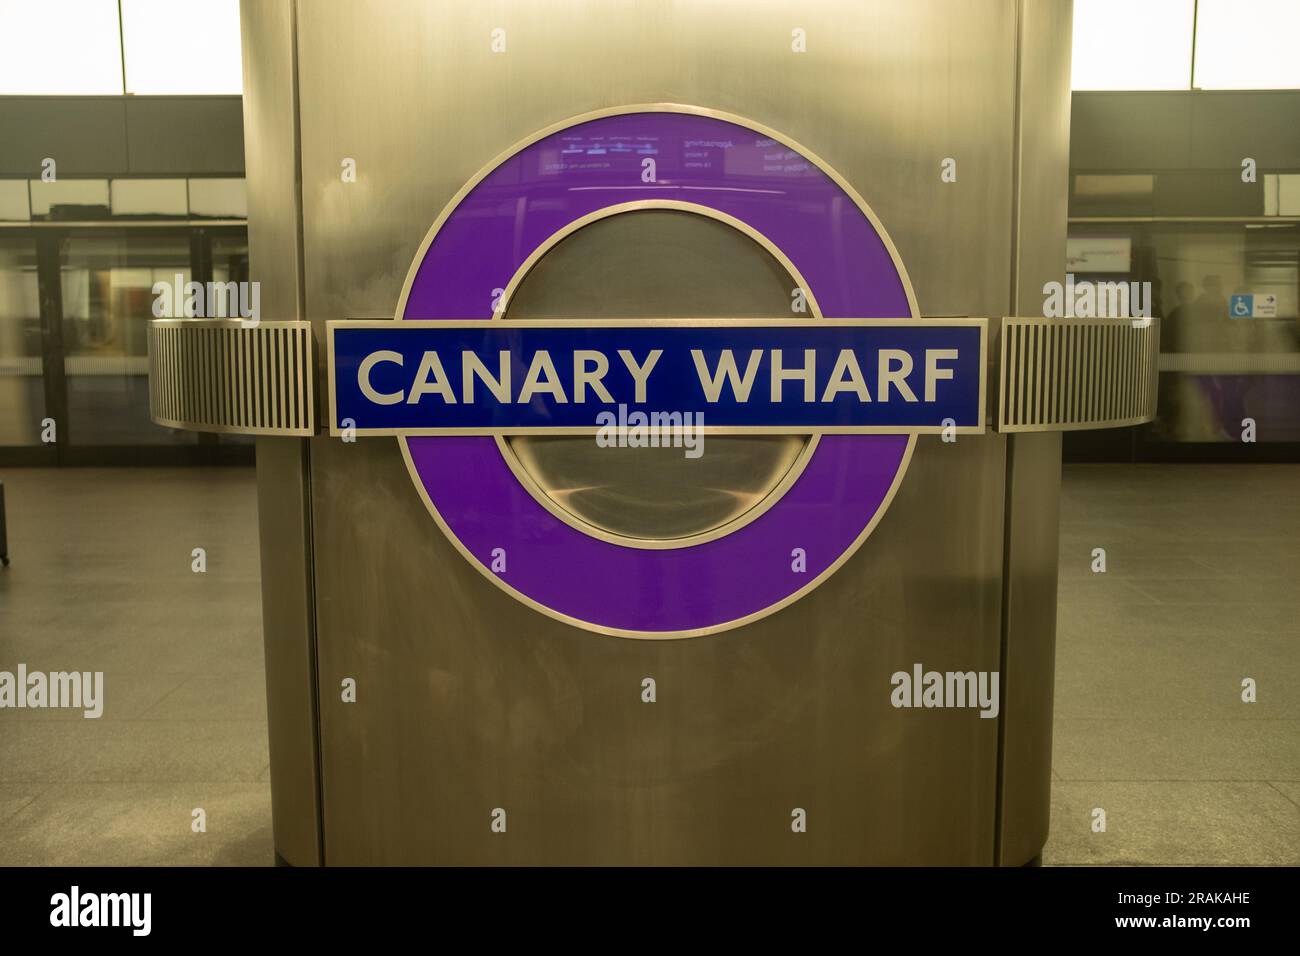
(1169, 405)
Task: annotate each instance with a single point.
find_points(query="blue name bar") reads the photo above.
(504, 377)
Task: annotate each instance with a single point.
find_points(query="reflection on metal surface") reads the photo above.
(656, 494)
(660, 259)
(671, 243)
(219, 376)
(1068, 374)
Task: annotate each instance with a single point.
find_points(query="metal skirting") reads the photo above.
(221, 375)
(1068, 374)
(1053, 375)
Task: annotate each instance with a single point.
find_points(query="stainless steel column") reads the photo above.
(468, 700)
(1040, 174)
(283, 464)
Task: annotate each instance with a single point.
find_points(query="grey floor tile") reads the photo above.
(1148, 692)
(133, 824)
(1134, 673)
(1223, 592)
(1124, 542)
(1123, 748)
(1167, 823)
(1078, 564)
(13, 797)
(1141, 622)
(1264, 563)
(1289, 789)
(125, 693)
(1100, 589)
(169, 751)
(214, 696)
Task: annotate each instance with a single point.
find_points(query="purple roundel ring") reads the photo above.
(780, 192)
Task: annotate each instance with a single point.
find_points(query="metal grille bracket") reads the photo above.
(222, 375)
(1070, 374)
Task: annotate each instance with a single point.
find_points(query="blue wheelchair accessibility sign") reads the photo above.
(1241, 306)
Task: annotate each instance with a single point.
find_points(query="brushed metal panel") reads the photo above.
(468, 700)
(1033, 473)
(1042, 165)
(413, 93)
(1029, 651)
(283, 494)
(284, 533)
(271, 156)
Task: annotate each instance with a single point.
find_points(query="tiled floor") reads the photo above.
(1202, 589)
(101, 580)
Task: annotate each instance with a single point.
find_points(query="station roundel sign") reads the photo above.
(734, 171)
